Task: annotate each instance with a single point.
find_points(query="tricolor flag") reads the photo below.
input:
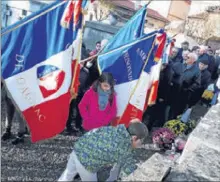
(131, 31)
(126, 64)
(167, 51)
(155, 70)
(36, 66)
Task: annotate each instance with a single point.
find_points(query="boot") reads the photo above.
(70, 130)
(7, 135)
(18, 139)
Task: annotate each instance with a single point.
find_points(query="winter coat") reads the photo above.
(211, 66)
(187, 79)
(92, 116)
(205, 79)
(166, 76)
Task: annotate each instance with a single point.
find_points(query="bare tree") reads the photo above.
(102, 9)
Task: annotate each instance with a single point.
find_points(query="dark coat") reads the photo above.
(211, 60)
(205, 79)
(84, 80)
(166, 76)
(187, 79)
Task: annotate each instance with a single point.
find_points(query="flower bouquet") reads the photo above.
(163, 137)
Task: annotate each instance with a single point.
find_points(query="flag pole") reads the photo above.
(75, 80)
(138, 82)
(91, 58)
(33, 18)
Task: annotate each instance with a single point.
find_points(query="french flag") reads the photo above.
(37, 55)
(130, 66)
(156, 68)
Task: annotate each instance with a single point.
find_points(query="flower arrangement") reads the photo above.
(163, 137)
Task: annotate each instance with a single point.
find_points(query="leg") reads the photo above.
(78, 119)
(10, 110)
(84, 174)
(114, 173)
(71, 116)
(21, 131)
(70, 171)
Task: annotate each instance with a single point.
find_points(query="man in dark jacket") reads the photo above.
(205, 81)
(186, 79)
(184, 47)
(203, 55)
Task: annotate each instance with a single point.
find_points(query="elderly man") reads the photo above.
(186, 79)
(103, 147)
(191, 81)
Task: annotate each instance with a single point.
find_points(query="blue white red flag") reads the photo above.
(132, 30)
(155, 70)
(167, 51)
(126, 64)
(36, 66)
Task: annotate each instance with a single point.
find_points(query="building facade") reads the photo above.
(13, 11)
(205, 27)
(171, 9)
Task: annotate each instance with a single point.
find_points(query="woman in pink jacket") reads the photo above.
(98, 105)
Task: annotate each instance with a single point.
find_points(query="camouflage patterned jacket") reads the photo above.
(106, 146)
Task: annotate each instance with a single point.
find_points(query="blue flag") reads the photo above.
(126, 62)
(132, 30)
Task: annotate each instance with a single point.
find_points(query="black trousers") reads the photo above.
(157, 115)
(74, 114)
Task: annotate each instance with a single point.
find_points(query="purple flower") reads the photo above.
(163, 136)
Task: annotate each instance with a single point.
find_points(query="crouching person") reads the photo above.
(103, 147)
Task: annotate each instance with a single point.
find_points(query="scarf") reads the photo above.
(103, 98)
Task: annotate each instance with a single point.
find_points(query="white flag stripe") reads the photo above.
(123, 92)
(25, 85)
(155, 72)
(139, 97)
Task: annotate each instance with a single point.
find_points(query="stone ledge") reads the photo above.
(154, 169)
(200, 159)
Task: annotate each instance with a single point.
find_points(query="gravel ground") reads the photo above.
(44, 161)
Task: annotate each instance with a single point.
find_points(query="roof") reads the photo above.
(131, 6)
(154, 14)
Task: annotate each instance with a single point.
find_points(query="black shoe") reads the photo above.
(26, 132)
(70, 130)
(17, 140)
(7, 135)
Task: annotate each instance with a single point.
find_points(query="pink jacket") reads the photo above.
(91, 115)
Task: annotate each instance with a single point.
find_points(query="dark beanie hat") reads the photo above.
(204, 59)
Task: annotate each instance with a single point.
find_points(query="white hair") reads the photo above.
(204, 48)
(193, 56)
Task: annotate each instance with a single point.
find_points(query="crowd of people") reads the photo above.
(182, 82)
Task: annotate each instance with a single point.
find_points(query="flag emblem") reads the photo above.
(50, 79)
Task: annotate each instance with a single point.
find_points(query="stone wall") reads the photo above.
(200, 160)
